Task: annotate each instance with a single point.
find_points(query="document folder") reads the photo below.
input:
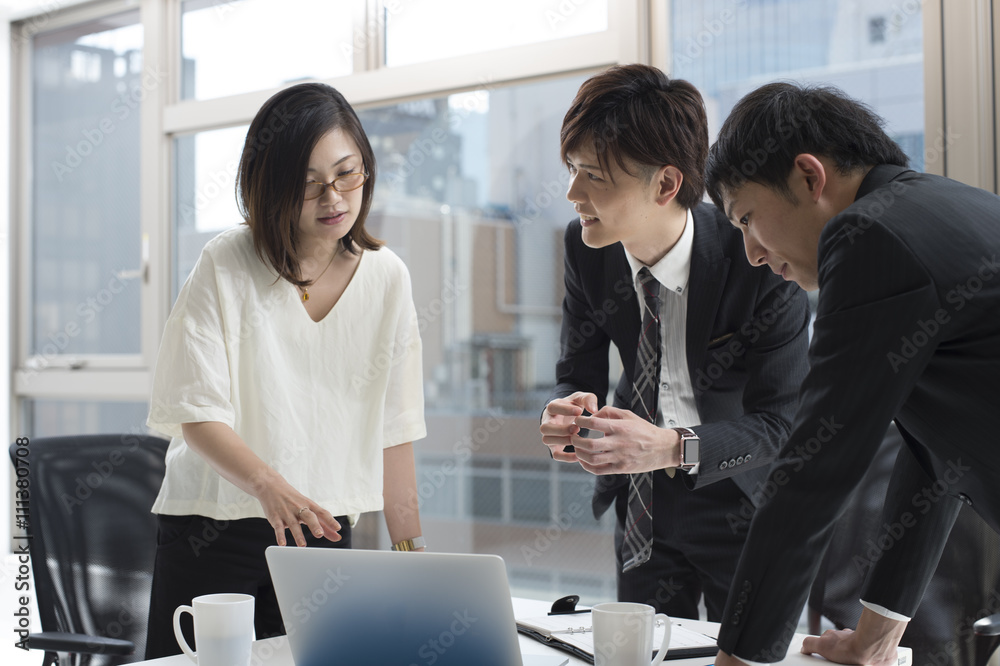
(572, 633)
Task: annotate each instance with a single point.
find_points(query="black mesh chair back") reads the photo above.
(93, 543)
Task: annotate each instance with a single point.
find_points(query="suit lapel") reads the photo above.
(709, 268)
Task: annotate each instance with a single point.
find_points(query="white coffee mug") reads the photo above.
(223, 629)
(623, 634)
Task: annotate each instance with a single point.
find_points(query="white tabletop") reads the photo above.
(276, 652)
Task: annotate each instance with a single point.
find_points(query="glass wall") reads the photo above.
(238, 46)
(471, 195)
(871, 50)
(88, 85)
(204, 187)
(55, 418)
(424, 30)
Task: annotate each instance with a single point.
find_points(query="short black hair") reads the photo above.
(636, 113)
(772, 125)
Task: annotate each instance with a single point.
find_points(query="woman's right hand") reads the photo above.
(283, 505)
(288, 509)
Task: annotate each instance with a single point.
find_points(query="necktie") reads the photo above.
(638, 543)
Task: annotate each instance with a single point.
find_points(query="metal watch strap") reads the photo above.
(410, 544)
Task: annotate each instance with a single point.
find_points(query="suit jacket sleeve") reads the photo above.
(916, 521)
(774, 343)
(584, 345)
(874, 294)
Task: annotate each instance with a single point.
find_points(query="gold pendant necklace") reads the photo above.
(305, 290)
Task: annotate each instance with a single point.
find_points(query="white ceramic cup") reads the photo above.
(223, 629)
(623, 634)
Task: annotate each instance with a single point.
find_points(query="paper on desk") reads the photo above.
(575, 630)
(544, 660)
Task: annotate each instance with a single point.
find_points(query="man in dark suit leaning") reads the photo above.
(907, 328)
(713, 350)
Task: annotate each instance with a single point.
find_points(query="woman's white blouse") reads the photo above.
(317, 401)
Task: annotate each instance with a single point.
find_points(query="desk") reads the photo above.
(276, 652)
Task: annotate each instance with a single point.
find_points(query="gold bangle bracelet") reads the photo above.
(410, 544)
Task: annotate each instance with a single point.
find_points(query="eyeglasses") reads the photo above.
(352, 181)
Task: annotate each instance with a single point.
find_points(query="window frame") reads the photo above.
(96, 376)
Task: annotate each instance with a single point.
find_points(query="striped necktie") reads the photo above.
(638, 543)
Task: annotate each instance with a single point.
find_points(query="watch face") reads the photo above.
(691, 452)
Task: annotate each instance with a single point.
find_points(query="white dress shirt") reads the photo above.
(677, 407)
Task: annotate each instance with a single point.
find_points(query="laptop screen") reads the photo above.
(384, 607)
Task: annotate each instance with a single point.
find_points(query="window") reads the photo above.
(727, 48)
(424, 30)
(439, 483)
(53, 418)
(876, 30)
(268, 43)
(205, 166)
(487, 498)
(575, 490)
(471, 194)
(86, 242)
(531, 500)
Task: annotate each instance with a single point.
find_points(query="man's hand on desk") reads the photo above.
(874, 642)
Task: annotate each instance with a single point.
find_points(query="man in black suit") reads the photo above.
(907, 328)
(724, 343)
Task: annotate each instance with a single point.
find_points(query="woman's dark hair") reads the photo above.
(270, 183)
(636, 113)
(772, 125)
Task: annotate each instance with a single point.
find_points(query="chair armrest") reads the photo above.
(988, 626)
(61, 641)
(987, 639)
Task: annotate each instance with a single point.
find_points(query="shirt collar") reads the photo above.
(674, 269)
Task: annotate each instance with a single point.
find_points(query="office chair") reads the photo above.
(93, 542)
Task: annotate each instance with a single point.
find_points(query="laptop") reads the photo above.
(346, 606)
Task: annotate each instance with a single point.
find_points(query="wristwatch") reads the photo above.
(690, 449)
(410, 544)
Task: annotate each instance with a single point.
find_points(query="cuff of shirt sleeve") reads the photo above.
(884, 612)
(752, 663)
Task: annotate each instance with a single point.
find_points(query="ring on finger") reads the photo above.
(299, 513)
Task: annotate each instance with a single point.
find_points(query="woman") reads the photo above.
(289, 372)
